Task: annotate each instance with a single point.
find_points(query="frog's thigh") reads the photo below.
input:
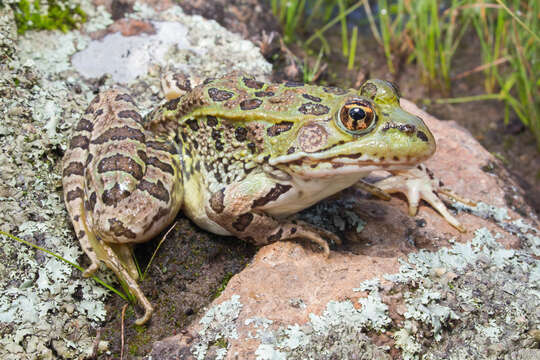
(133, 180)
(237, 209)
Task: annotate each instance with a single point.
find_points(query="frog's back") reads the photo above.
(242, 98)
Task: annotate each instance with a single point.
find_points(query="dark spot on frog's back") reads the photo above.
(193, 124)
(219, 145)
(334, 90)
(211, 120)
(131, 114)
(311, 97)
(241, 134)
(124, 97)
(422, 136)
(172, 104)
(291, 150)
(252, 147)
(313, 109)
(157, 190)
(92, 201)
(293, 84)
(219, 95)
(264, 93)
(277, 129)
(243, 221)
(217, 201)
(250, 104)
(252, 83)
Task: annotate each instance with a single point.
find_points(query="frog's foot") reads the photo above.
(419, 183)
(373, 190)
(88, 250)
(116, 257)
(313, 234)
(114, 261)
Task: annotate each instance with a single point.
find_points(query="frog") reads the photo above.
(239, 157)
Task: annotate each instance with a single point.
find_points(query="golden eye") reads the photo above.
(357, 117)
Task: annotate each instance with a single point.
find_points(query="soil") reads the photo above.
(190, 269)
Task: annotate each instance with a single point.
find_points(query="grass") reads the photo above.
(428, 33)
(55, 15)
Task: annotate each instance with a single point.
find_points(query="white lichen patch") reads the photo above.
(339, 332)
(478, 295)
(47, 310)
(465, 301)
(218, 324)
(189, 43)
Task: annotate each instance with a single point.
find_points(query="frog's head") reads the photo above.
(364, 130)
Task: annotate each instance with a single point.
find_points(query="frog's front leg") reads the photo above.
(419, 183)
(240, 209)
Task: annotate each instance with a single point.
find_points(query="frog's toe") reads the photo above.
(91, 270)
(148, 311)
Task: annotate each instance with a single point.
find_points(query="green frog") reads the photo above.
(238, 157)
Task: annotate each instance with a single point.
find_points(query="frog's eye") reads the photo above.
(357, 117)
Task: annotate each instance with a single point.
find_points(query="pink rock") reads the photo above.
(291, 283)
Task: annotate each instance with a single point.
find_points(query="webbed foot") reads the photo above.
(420, 183)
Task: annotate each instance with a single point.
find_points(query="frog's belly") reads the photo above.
(305, 193)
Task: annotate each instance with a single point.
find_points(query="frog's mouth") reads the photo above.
(316, 165)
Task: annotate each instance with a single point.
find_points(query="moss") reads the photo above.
(223, 285)
(221, 343)
(58, 15)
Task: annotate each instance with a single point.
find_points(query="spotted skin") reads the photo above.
(236, 155)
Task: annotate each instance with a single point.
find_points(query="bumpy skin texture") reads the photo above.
(236, 156)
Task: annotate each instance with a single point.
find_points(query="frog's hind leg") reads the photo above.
(120, 265)
(240, 209)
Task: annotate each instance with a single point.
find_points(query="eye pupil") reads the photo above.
(357, 117)
(357, 113)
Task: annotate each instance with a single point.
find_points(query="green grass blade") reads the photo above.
(76, 266)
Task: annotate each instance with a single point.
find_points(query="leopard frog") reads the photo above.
(237, 156)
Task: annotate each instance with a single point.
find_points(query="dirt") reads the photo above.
(188, 272)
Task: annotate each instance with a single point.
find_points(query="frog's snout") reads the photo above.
(409, 134)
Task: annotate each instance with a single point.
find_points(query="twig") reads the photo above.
(481, 68)
(122, 335)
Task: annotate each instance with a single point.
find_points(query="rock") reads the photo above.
(46, 306)
(349, 298)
